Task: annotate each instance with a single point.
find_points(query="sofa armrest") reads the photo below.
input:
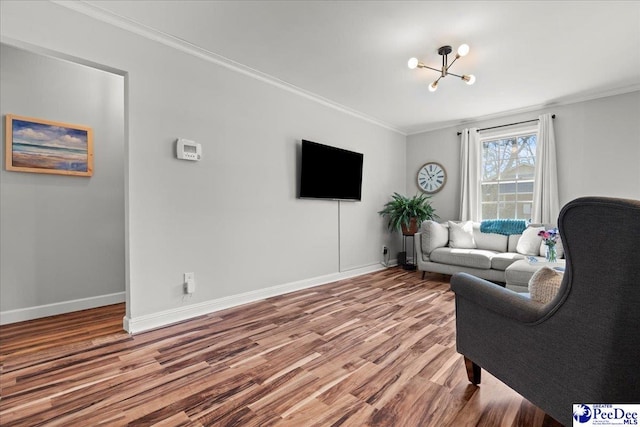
(417, 243)
(497, 299)
(431, 235)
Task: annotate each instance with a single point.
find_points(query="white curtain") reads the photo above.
(545, 189)
(470, 164)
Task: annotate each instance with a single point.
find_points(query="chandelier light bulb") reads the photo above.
(469, 79)
(413, 63)
(433, 87)
(463, 50)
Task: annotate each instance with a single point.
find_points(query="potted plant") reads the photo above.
(407, 213)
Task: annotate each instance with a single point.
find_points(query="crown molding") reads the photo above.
(560, 102)
(199, 52)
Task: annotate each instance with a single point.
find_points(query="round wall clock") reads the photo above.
(431, 177)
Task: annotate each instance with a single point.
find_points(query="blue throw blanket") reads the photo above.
(503, 226)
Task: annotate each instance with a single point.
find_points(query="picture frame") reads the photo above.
(46, 146)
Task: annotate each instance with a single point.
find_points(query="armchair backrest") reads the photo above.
(601, 287)
(602, 243)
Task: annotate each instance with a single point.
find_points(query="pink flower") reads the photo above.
(550, 237)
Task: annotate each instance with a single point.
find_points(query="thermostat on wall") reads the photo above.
(188, 150)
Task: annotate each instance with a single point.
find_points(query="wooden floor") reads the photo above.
(52, 332)
(376, 350)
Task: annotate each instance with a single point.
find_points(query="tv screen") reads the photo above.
(330, 172)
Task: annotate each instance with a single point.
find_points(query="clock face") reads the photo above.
(431, 177)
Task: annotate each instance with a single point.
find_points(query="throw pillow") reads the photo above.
(559, 249)
(544, 284)
(461, 235)
(529, 243)
(433, 236)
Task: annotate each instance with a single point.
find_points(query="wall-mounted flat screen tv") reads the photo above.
(330, 173)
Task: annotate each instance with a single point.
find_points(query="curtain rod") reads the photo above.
(509, 124)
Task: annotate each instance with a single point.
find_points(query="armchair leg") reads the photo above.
(473, 371)
(423, 275)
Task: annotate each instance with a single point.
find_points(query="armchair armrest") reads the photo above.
(497, 299)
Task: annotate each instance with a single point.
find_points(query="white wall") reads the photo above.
(597, 142)
(62, 245)
(232, 218)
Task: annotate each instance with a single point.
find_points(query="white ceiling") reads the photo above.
(525, 55)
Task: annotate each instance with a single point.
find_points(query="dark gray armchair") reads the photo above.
(583, 346)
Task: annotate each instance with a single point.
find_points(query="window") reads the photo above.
(508, 167)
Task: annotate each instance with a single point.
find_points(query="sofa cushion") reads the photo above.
(461, 235)
(503, 260)
(513, 242)
(491, 241)
(529, 243)
(476, 258)
(433, 236)
(544, 284)
(519, 273)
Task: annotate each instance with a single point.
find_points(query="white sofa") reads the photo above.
(449, 248)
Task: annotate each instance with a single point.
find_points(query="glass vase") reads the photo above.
(552, 255)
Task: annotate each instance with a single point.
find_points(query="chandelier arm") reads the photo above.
(431, 68)
(456, 75)
(452, 62)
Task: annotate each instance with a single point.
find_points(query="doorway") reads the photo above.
(63, 238)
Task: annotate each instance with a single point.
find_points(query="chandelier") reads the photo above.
(444, 51)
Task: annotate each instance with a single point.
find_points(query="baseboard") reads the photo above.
(167, 317)
(391, 263)
(30, 313)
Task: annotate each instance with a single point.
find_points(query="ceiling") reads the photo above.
(525, 55)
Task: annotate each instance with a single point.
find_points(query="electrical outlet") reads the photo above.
(385, 250)
(189, 283)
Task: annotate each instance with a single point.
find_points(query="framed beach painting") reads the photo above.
(44, 146)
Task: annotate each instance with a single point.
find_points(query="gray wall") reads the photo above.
(62, 236)
(232, 218)
(597, 143)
